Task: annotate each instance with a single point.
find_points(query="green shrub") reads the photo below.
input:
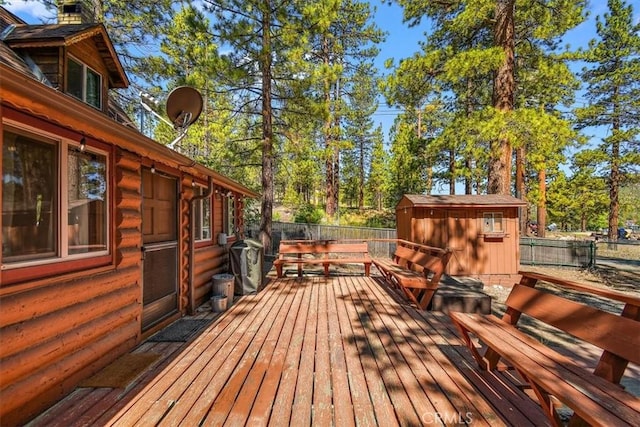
(308, 214)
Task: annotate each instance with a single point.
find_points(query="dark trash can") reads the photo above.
(246, 258)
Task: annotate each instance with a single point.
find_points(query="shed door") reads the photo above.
(160, 247)
(461, 237)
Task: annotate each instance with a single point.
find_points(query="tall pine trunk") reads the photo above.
(542, 202)
(267, 130)
(521, 190)
(330, 173)
(614, 177)
(499, 180)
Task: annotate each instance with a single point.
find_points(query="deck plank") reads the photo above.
(340, 350)
(301, 409)
(362, 399)
(378, 392)
(265, 398)
(281, 413)
(344, 411)
(241, 388)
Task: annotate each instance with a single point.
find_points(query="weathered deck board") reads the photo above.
(338, 350)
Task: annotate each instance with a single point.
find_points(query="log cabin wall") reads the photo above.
(210, 258)
(184, 238)
(58, 331)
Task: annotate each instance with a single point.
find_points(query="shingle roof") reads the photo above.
(36, 34)
(464, 200)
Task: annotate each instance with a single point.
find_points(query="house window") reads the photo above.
(202, 216)
(492, 222)
(54, 200)
(230, 220)
(84, 83)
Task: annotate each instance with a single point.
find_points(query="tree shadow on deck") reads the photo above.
(425, 368)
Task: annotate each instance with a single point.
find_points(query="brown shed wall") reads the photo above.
(460, 229)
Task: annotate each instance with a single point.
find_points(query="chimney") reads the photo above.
(79, 11)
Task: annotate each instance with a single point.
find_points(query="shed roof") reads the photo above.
(462, 200)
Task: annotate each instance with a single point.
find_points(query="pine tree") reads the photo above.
(378, 177)
(613, 94)
(475, 46)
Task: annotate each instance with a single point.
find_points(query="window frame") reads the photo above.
(85, 67)
(492, 217)
(230, 216)
(62, 260)
(198, 209)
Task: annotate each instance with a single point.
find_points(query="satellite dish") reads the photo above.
(184, 105)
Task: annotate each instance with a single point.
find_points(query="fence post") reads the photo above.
(533, 252)
(592, 253)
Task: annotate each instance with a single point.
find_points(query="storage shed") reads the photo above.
(483, 231)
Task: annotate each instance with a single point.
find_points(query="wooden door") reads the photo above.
(160, 247)
(459, 231)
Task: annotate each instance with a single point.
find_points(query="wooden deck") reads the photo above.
(339, 350)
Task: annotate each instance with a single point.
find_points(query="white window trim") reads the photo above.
(62, 249)
(200, 206)
(230, 221)
(86, 67)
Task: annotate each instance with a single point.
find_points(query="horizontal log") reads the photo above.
(25, 306)
(24, 399)
(128, 257)
(20, 336)
(20, 365)
(206, 274)
(128, 218)
(129, 201)
(128, 180)
(128, 238)
(209, 252)
(127, 160)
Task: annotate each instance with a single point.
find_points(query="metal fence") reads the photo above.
(296, 231)
(552, 252)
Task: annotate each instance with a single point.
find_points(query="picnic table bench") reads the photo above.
(324, 252)
(596, 397)
(415, 270)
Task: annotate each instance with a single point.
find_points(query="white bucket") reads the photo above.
(218, 303)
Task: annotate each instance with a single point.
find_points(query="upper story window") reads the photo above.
(202, 216)
(84, 83)
(54, 200)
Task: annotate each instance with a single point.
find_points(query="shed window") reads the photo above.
(54, 200)
(492, 222)
(84, 83)
(202, 216)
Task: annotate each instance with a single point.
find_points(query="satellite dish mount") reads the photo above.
(184, 105)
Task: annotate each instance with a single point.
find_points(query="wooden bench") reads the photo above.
(415, 270)
(595, 397)
(322, 252)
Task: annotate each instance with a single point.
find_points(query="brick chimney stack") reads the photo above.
(79, 11)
